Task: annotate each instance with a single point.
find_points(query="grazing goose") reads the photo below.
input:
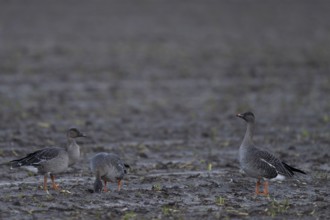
(259, 163)
(107, 167)
(53, 160)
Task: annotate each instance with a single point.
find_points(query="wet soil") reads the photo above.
(159, 83)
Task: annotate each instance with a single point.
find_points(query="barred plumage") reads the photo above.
(107, 167)
(52, 160)
(259, 163)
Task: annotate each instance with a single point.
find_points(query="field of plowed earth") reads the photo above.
(159, 83)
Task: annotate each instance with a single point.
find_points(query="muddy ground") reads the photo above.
(159, 83)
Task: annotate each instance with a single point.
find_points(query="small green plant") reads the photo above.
(305, 133)
(34, 199)
(312, 212)
(209, 167)
(168, 210)
(44, 124)
(49, 198)
(321, 175)
(98, 215)
(15, 153)
(214, 132)
(20, 196)
(7, 198)
(278, 207)
(220, 201)
(157, 187)
(30, 173)
(225, 144)
(129, 215)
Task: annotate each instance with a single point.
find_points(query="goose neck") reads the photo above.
(248, 134)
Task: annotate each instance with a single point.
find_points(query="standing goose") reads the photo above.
(53, 160)
(107, 167)
(258, 163)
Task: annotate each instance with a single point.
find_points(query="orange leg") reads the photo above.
(265, 188)
(258, 187)
(105, 186)
(55, 186)
(120, 183)
(266, 192)
(45, 183)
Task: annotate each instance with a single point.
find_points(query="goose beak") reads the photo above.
(239, 115)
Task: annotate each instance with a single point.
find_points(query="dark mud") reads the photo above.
(159, 83)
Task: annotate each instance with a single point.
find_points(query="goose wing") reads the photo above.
(270, 166)
(37, 157)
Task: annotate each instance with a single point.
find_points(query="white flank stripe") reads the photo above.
(268, 163)
(31, 169)
(279, 177)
